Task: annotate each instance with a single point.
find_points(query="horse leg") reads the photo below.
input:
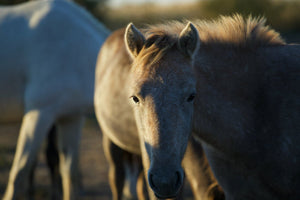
(133, 187)
(141, 187)
(52, 162)
(52, 157)
(116, 175)
(69, 133)
(199, 174)
(34, 129)
(31, 180)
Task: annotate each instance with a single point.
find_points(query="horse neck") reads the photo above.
(240, 94)
(226, 82)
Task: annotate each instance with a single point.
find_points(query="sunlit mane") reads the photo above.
(155, 47)
(235, 32)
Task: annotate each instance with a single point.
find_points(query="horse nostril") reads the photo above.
(150, 179)
(166, 185)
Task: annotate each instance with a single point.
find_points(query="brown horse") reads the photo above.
(161, 157)
(236, 81)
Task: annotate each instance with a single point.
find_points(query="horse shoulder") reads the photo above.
(111, 89)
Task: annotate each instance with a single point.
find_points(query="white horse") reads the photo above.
(48, 51)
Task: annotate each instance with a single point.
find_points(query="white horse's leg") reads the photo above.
(35, 126)
(52, 157)
(69, 134)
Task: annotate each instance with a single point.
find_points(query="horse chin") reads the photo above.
(164, 197)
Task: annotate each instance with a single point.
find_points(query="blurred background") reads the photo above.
(282, 15)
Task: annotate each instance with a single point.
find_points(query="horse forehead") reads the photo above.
(172, 70)
(174, 62)
(174, 74)
(160, 87)
(164, 72)
(164, 82)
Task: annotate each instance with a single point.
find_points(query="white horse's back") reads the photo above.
(48, 48)
(48, 53)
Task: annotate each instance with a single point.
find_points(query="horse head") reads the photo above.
(162, 91)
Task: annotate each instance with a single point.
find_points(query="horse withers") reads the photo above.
(162, 138)
(48, 55)
(241, 95)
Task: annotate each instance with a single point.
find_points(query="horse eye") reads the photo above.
(191, 97)
(135, 99)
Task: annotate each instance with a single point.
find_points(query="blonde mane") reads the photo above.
(233, 32)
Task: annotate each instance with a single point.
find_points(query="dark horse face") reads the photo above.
(162, 94)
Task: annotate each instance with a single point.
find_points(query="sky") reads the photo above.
(116, 3)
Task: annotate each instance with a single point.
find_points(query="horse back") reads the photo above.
(267, 100)
(112, 79)
(113, 52)
(48, 52)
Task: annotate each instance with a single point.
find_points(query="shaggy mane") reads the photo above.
(234, 32)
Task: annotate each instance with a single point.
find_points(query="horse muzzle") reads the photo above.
(165, 185)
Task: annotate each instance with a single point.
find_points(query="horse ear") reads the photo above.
(134, 40)
(189, 42)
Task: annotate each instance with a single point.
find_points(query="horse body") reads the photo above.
(118, 123)
(112, 92)
(48, 55)
(24, 32)
(261, 131)
(246, 108)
